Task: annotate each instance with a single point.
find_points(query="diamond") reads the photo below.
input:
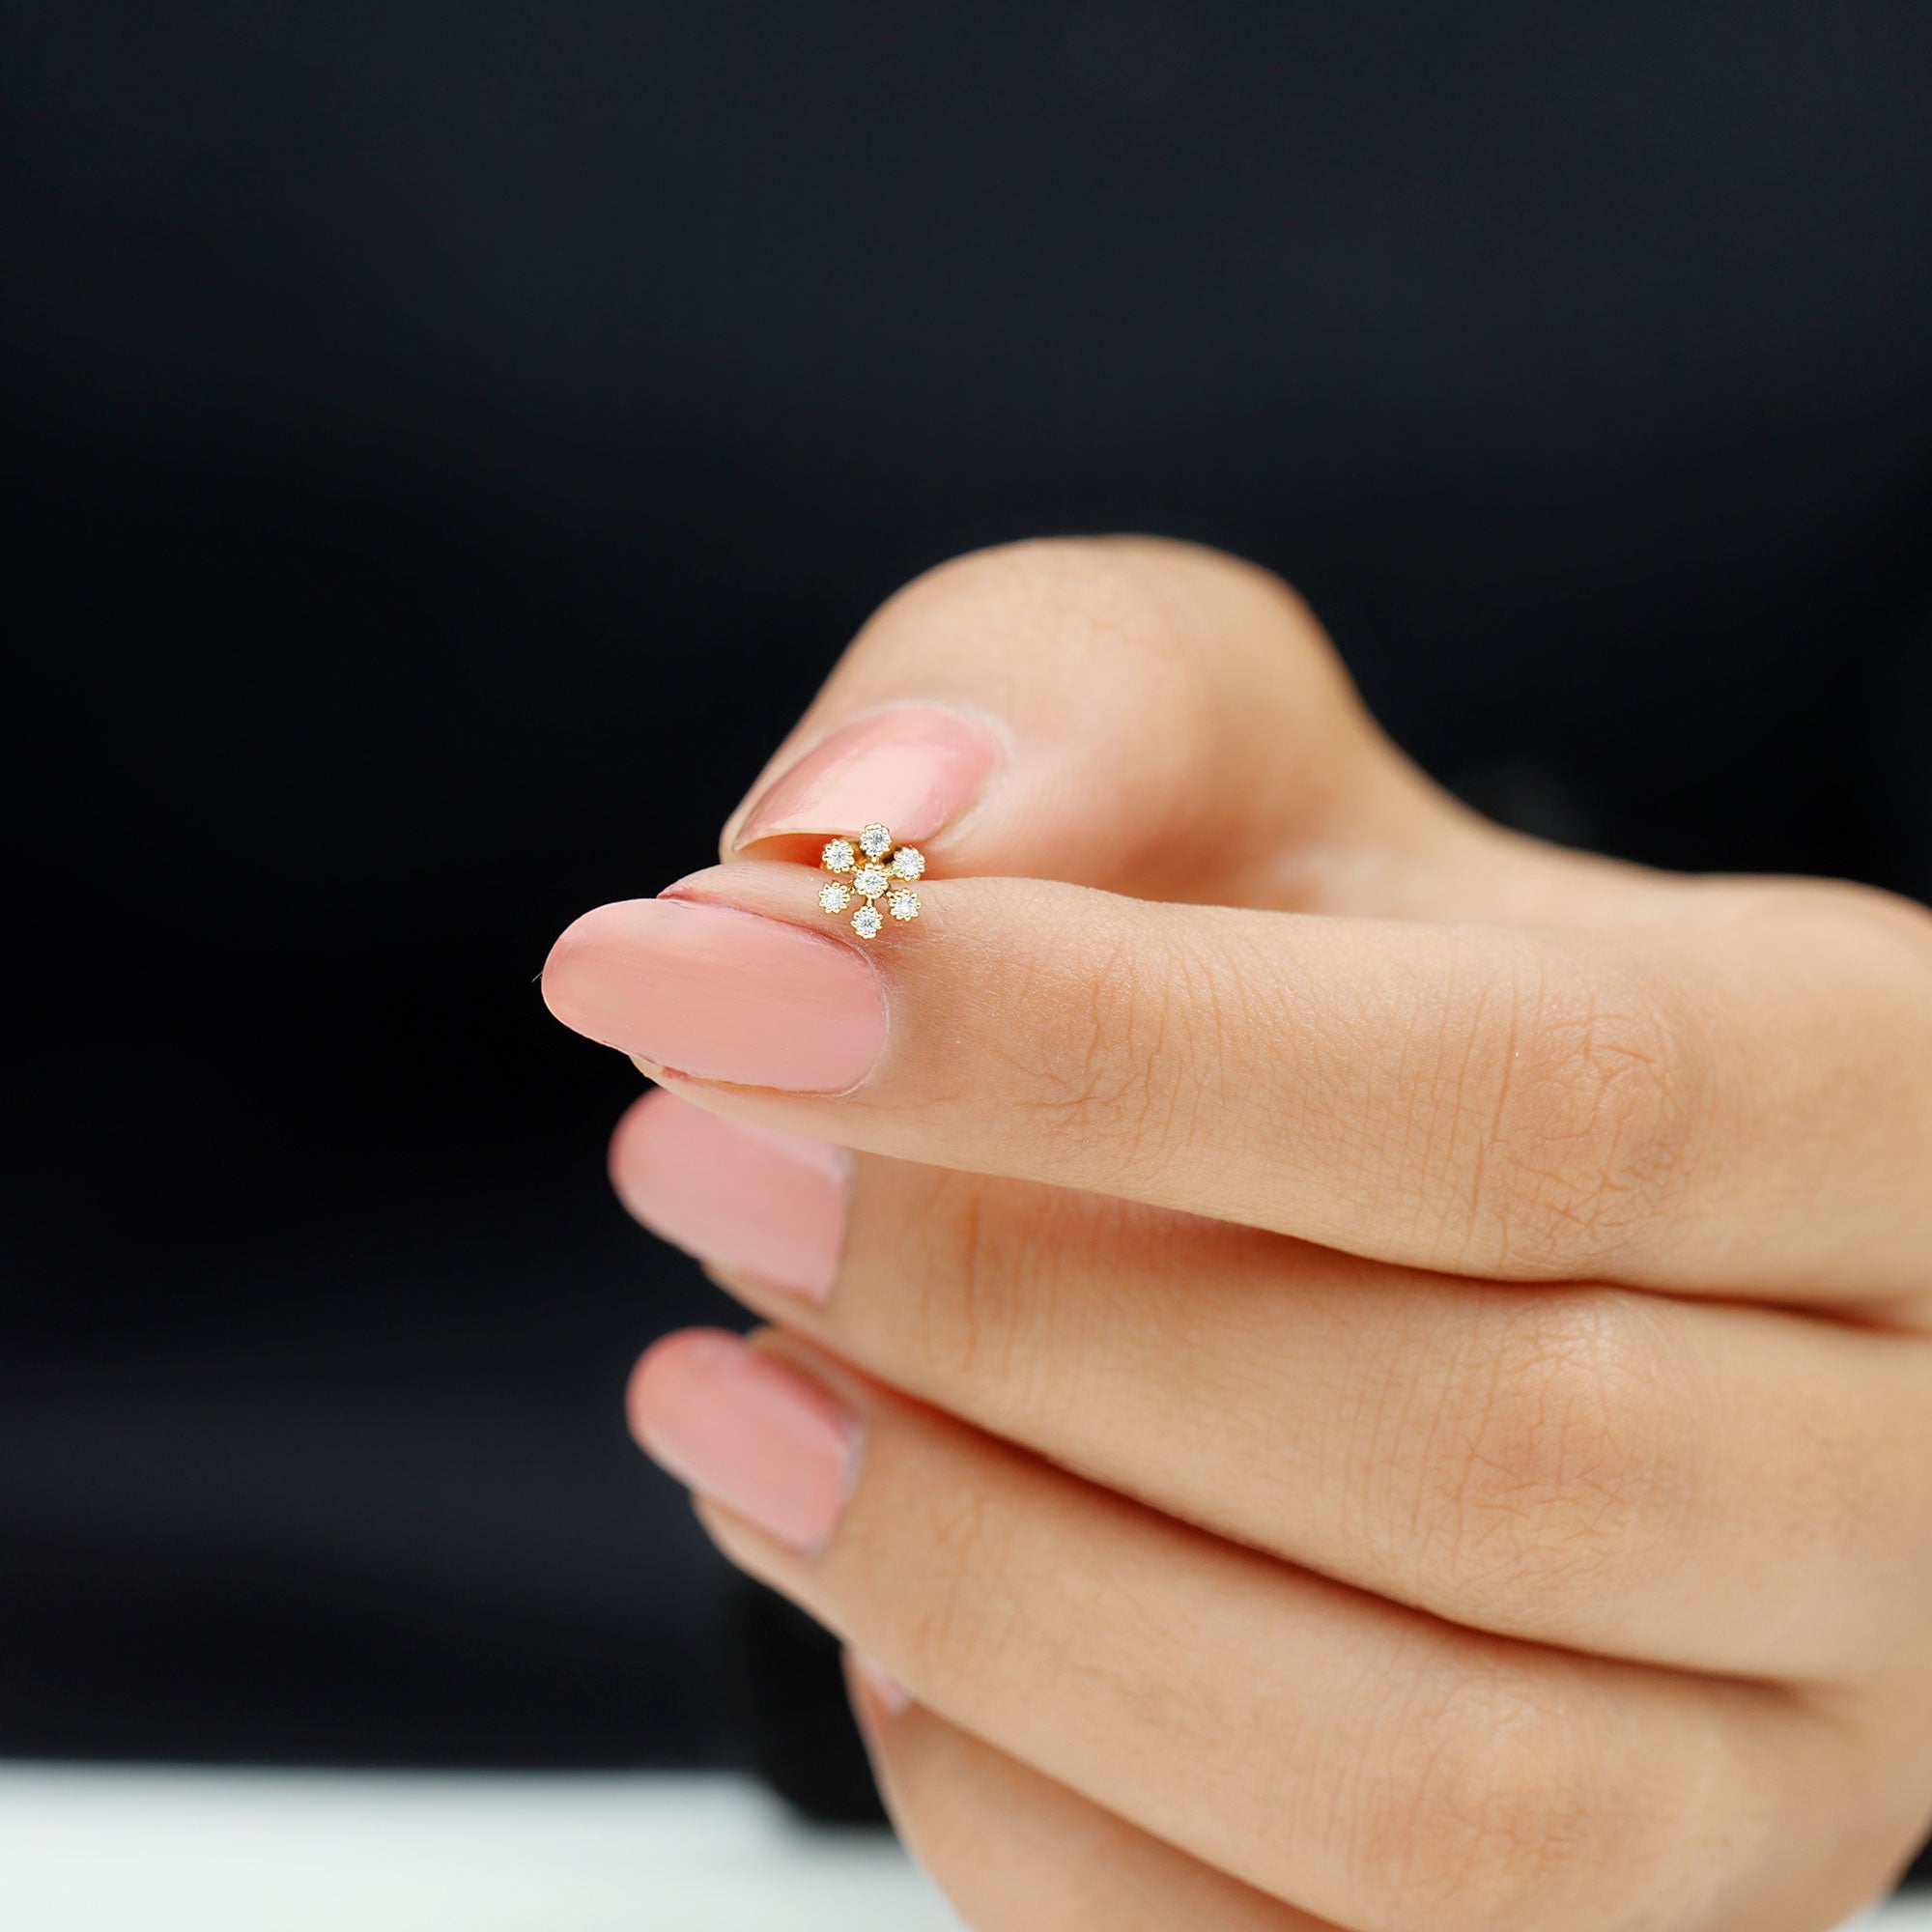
(876, 879)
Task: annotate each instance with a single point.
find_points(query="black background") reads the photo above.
(443, 446)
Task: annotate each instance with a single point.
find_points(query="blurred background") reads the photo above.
(441, 449)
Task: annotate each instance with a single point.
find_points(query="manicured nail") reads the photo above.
(719, 994)
(749, 1431)
(915, 767)
(754, 1199)
(879, 1684)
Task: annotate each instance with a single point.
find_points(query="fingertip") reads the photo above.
(720, 992)
(666, 1375)
(642, 1128)
(558, 981)
(747, 1430)
(915, 767)
(748, 1199)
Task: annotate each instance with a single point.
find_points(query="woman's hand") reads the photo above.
(1365, 1371)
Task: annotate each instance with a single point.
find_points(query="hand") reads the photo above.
(1365, 1371)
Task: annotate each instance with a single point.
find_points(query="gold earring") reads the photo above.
(877, 870)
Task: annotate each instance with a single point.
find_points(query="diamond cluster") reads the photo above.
(870, 868)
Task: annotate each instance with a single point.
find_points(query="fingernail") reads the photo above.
(749, 1431)
(915, 767)
(719, 994)
(879, 1684)
(754, 1199)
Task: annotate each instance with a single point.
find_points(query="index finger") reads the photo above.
(1719, 1106)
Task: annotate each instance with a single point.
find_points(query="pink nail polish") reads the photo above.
(719, 994)
(915, 767)
(748, 1431)
(754, 1199)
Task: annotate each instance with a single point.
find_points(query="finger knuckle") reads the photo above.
(979, 1308)
(957, 1260)
(1115, 1074)
(1576, 1113)
(959, 1621)
(1551, 1470)
(1496, 1813)
(1015, 600)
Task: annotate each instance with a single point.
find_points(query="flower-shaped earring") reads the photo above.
(877, 870)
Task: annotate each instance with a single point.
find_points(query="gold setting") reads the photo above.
(870, 868)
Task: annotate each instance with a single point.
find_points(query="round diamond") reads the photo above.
(865, 921)
(904, 903)
(908, 861)
(872, 881)
(835, 896)
(875, 842)
(839, 856)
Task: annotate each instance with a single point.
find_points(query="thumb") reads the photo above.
(1147, 717)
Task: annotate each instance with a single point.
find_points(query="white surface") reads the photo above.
(108, 1850)
(100, 1850)
(1915, 1916)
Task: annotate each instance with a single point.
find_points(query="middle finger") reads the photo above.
(1588, 1466)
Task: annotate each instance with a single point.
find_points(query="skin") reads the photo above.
(1394, 1362)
